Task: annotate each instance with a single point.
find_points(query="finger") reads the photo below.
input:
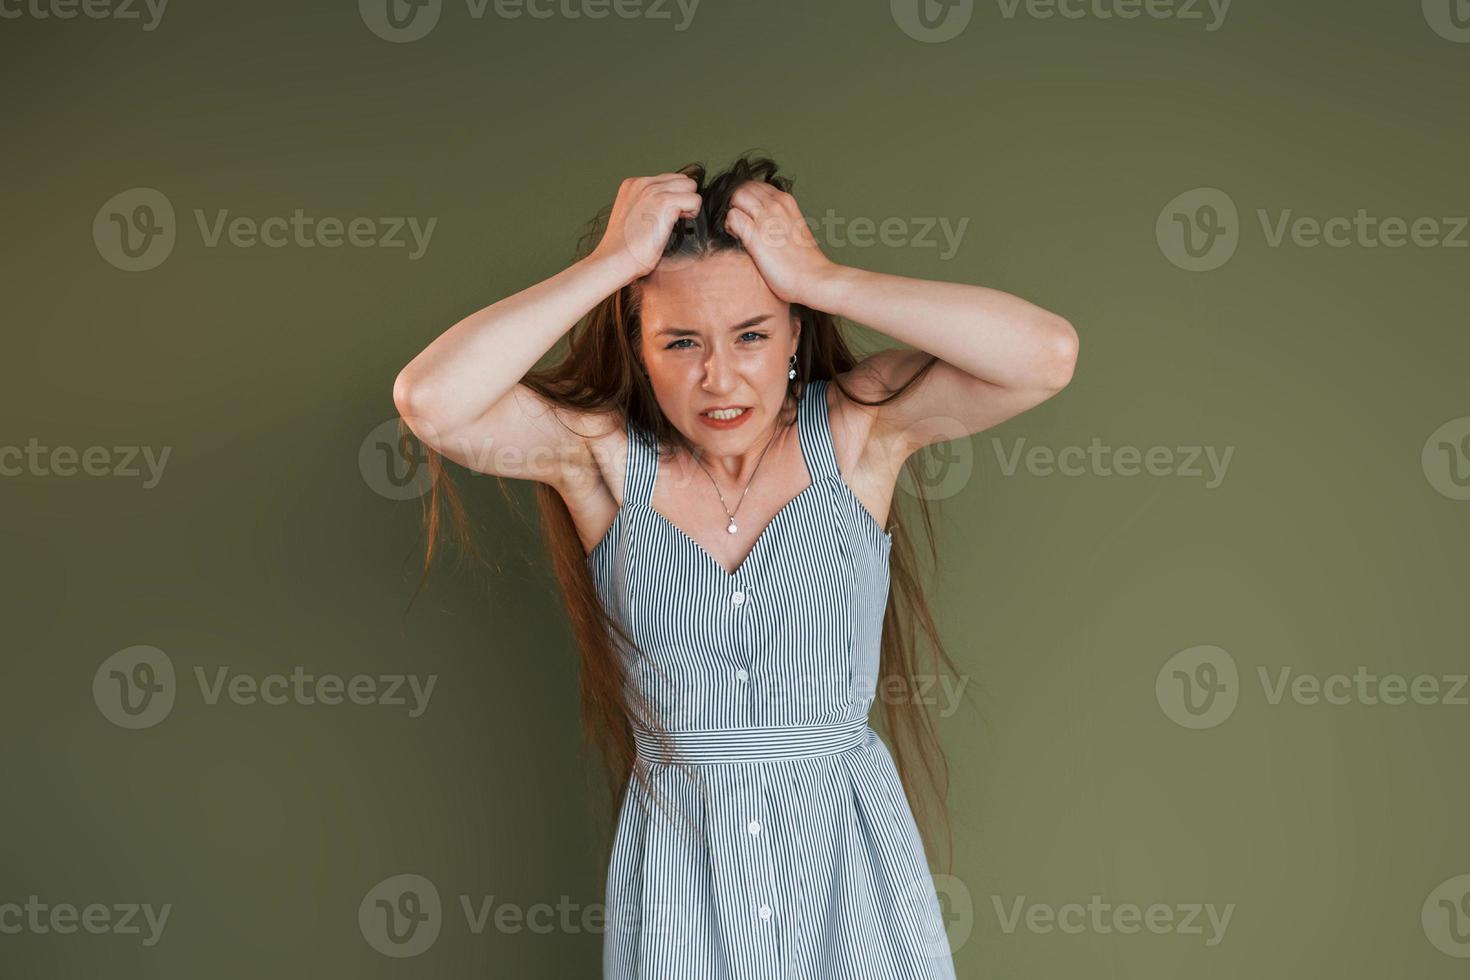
(775, 199)
(763, 191)
(643, 188)
(737, 222)
(747, 197)
(688, 202)
(678, 181)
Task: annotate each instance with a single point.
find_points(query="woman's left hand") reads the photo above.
(769, 224)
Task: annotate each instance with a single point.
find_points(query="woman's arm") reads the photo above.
(986, 333)
(474, 363)
(998, 354)
(462, 394)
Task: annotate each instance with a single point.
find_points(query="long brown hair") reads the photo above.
(599, 372)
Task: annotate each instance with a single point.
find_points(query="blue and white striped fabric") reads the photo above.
(804, 862)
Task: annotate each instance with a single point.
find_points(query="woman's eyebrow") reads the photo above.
(687, 332)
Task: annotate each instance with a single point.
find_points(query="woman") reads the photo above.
(715, 470)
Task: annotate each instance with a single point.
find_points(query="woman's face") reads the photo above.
(715, 336)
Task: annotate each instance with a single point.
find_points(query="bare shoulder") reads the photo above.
(863, 434)
(595, 494)
(605, 435)
(870, 451)
(940, 401)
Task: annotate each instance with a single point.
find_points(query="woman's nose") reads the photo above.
(716, 371)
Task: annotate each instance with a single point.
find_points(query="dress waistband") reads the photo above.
(727, 745)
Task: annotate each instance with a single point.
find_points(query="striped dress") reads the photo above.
(792, 851)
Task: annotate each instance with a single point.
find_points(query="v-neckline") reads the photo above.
(755, 545)
(759, 538)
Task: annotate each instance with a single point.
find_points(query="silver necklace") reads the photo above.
(731, 527)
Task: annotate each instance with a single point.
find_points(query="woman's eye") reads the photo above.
(755, 334)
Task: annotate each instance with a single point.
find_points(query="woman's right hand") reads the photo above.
(642, 216)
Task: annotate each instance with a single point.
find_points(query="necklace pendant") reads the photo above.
(731, 528)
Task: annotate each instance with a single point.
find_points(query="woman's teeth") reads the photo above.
(725, 414)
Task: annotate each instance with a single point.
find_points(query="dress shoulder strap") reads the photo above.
(815, 430)
(641, 467)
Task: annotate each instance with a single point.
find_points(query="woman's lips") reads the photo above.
(725, 423)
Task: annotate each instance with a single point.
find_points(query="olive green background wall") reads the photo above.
(1213, 612)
